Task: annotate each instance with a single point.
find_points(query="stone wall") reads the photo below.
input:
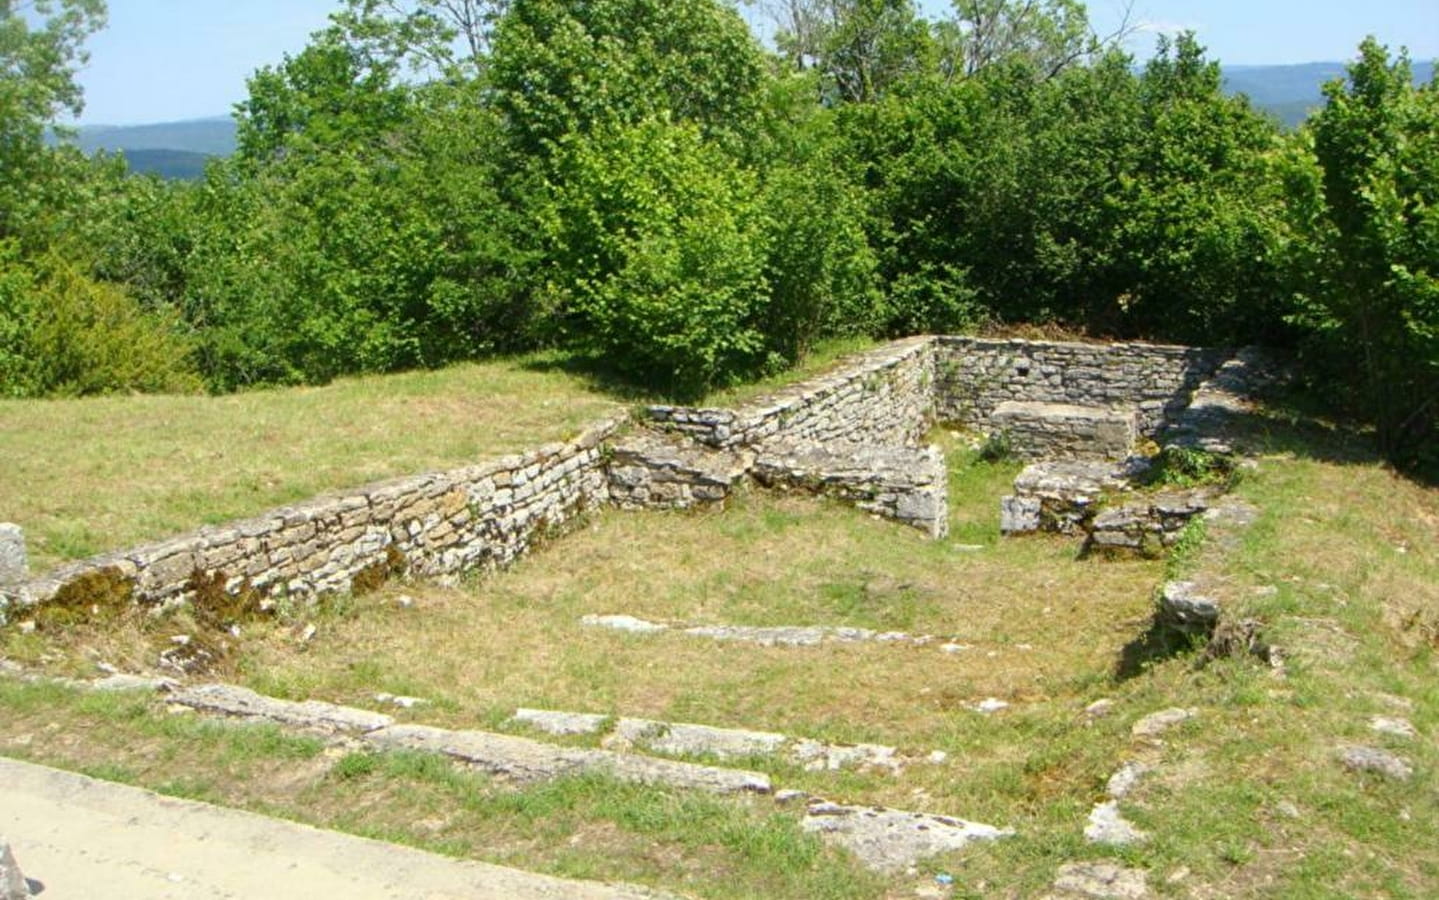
(435, 524)
(881, 397)
(976, 375)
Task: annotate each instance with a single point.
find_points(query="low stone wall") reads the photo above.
(975, 375)
(884, 397)
(901, 483)
(435, 524)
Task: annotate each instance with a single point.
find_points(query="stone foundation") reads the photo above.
(853, 433)
(648, 470)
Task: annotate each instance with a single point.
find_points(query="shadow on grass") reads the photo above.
(1299, 423)
(1161, 642)
(602, 377)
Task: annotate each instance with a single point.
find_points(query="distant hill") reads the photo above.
(180, 165)
(210, 137)
(168, 149)
(1290, 93)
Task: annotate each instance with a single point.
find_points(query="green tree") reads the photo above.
(656, 259)
(1048, 35)
(1371, 295)
(563, 67)
(41, 45)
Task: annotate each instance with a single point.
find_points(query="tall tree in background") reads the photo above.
(1372, 296)
(41, 45)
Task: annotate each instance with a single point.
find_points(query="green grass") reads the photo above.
(89, 475)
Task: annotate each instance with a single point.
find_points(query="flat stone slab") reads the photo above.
(1102, 881)
(678, 738)
(1108, 826)
(229, 700)
(529, 760)
(224, 699)
(86, 838)
(766, 635)
(1394, 726)
(891, 840)
(1126, 778)
(683, 738)
(1157, 723)
(1380, 762)
(624, 623)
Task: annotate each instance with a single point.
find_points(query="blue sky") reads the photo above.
(162, 60)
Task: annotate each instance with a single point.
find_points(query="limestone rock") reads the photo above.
(1157, 723)
(1102, 881)
(1126, 778)
(12, 883)
(1393, 726)
(528, 760)
(236, 701)
(1380, 762)
(1019, 515)
(13, 563)
(1108, 826)
(694, 740)
(1184, 604)
(623, 623)
(561, 723)
(891, 840)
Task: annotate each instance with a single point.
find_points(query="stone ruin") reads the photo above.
(855, 434)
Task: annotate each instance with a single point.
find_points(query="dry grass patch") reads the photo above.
(89, 475)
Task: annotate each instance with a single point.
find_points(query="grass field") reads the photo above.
(95, 474)
(1247, 799)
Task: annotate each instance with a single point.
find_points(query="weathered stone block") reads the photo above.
(1056, 430)
(14, 565)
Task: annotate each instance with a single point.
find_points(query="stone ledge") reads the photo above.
(649, 470)
(907, 485)
(1060, 430)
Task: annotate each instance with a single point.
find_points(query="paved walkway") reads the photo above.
(86, 838)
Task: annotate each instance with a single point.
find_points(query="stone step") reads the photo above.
(907, 484)
(499, 754)
(683, 738)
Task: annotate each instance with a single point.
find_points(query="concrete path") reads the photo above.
(85, 838)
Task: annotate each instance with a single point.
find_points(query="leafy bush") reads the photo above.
(657, 256)
(65, 333)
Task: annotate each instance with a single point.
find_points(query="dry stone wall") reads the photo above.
(976, 375)
(435, 524)
(883, 397)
